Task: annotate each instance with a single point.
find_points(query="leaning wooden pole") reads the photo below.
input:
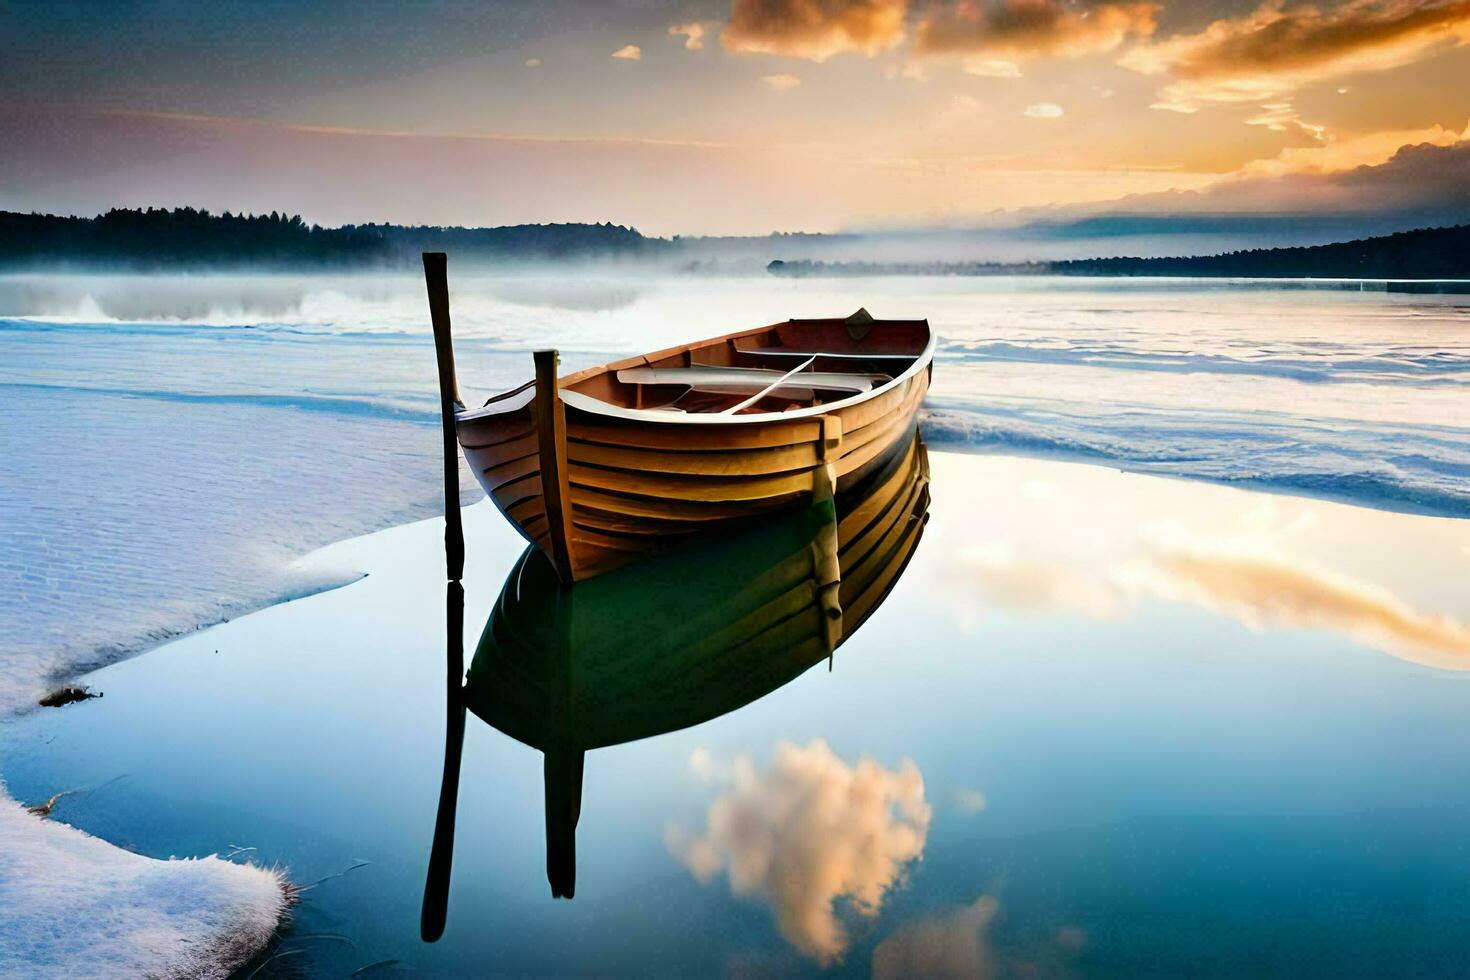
(441, 853)
(437, 279)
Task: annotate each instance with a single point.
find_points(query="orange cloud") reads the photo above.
(807, 833)
(1277, 49)
(1336, 155)
(815, 29)
(629, 52)
(1033, 28)
(693, 34)
(1282, 117)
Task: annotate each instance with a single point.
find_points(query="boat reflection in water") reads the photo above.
(673, 641)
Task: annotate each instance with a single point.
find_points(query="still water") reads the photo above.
(1079, 723)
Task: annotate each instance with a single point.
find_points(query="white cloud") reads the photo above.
(1044, 110)
(781, 83)
(807, 833)
(533, 62)
(629, 52)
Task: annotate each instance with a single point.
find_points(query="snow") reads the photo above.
(72, 905)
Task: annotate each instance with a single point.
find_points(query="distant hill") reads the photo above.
(186, 238)
(1428, 253)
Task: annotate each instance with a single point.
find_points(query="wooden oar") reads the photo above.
(770, 387)
(441, 853)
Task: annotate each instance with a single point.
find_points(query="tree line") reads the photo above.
(1426, 253)
(190, 238)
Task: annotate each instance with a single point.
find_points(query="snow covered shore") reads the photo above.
(72, 905)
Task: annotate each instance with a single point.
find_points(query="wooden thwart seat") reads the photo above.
(739, 380)
(759, 351)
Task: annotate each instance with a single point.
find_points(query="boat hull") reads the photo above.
(613, 490)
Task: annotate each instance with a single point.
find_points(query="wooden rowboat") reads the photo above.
(611, 464)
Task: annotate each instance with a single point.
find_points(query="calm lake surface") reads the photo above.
(1104, 725)
(1163, 721)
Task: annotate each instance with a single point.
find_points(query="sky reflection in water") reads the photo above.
(1105, 724)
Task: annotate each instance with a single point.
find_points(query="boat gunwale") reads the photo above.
(596, 406)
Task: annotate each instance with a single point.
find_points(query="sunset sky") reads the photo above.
(730, 117)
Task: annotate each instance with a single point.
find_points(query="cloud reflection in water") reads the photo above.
(1273, 563)
(1265, 589)
(807, 833)
(952, 945)
(963, 943)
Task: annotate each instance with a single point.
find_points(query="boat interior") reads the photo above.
(787, 366)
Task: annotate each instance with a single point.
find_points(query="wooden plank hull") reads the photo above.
(625, 484)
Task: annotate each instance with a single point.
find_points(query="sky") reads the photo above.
(737, 116)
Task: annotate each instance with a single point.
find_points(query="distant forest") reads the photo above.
(1429, 253)
(158, 239)
(186, 238)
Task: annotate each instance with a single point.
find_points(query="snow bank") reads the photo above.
(72, 905)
